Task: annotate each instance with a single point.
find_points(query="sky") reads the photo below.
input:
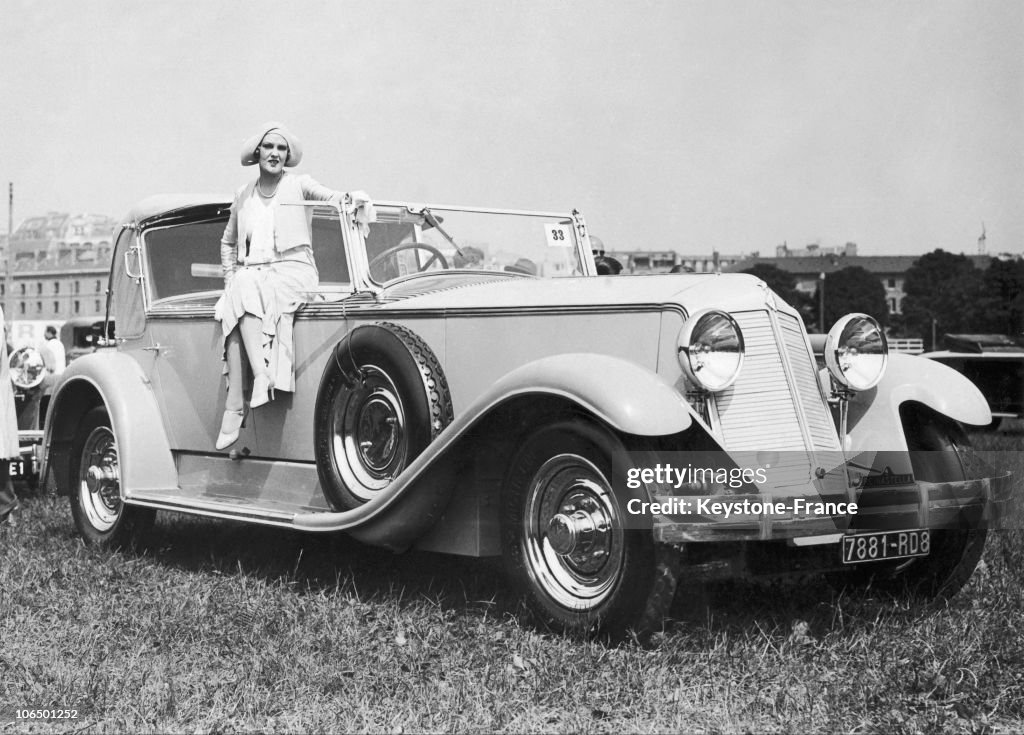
(685, 125)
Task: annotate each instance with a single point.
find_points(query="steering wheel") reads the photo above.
(435, 254)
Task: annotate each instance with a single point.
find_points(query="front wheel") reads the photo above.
(565, 541)
(100, 514)
(940, 452)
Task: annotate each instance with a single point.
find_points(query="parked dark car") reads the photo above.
(994, 363)
(81, 335)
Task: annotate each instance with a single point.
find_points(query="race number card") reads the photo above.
(558, 235)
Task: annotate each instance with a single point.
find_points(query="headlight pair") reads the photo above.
(710, 350)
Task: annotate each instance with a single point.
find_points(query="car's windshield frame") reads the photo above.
(353, 242)
(424, 217)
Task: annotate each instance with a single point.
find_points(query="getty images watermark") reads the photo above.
(874, 490)
(702, 484)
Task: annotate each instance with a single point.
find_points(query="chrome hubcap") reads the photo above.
(573, 538)
(99, 491)
(369, 433)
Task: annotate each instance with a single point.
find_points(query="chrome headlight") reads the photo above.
(27, 368)
(710, 349)
(856, 352)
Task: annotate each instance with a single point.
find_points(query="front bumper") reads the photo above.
(981, 503)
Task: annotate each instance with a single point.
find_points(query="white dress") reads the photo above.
(267, 284)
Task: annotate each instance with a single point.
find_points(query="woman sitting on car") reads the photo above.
(269, 271)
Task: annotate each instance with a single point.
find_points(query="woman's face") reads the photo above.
(273, 153)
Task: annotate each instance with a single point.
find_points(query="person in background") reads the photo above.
(9, 448)
(54, 356)
(55, 359)
(606, 264)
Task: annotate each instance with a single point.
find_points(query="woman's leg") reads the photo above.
(233, 353)
(234, 403)
(251, 328)
(252, 337)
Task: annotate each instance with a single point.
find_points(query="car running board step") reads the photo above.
(221, 507)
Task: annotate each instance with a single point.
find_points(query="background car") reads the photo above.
(467, 383)
(994, 363)
(83, 335)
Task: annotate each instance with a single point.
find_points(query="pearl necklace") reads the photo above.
(271, 194)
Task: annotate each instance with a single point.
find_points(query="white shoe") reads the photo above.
(262, 391)
(230, 427)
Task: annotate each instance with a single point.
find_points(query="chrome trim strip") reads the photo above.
(318, 311)
(414, 207)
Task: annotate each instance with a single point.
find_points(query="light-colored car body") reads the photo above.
(517, 354)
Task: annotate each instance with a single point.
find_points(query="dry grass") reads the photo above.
(218, 627)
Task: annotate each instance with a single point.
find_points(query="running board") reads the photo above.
(227, 508)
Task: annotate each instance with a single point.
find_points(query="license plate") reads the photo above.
(859, 548)
(18, 468)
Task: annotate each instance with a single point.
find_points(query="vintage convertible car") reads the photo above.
(467, 383)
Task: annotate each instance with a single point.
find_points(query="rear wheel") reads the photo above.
(100, 514)
(940, 452)
(565, 541)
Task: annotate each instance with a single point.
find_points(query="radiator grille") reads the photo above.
(805, 374)
(760, 413)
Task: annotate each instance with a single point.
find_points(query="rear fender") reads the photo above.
(115, 381)
(874, 418)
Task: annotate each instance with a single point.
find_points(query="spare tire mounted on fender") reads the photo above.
(382, 399)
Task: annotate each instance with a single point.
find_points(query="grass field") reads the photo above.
(219, 627)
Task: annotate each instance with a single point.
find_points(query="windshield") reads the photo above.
(406, 241)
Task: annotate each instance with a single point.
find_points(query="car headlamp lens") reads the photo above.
(856, 352)
(27, 368)
(710, 349)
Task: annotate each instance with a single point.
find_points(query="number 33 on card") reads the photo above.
(558, 235)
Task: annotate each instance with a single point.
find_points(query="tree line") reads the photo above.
(943, 291)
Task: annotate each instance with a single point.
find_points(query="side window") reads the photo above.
(183, 259)
(329, 250)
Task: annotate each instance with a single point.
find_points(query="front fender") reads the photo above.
(624, 395)
(115, 381)
(874, 418)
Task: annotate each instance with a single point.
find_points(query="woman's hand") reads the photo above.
(360, 206)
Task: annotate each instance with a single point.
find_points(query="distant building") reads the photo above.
(663, 261)
(807, 269)
(59, 264)
(814, 249)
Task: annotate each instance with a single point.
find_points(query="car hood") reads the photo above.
(731, 292)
